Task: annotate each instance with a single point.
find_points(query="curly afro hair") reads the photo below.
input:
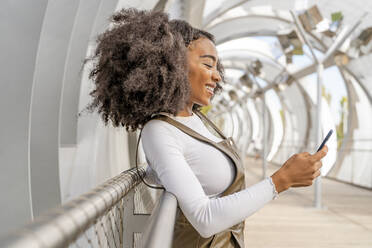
(140, 67)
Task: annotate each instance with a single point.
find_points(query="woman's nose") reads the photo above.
(216, 77)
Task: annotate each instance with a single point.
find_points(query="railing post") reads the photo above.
(159, 231)
(132, 223)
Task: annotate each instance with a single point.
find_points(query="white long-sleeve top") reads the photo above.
(196, 173)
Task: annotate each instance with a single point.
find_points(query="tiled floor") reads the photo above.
(292, 221)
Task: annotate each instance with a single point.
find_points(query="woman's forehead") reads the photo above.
(203, 46)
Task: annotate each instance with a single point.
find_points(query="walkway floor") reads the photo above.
(290, 221)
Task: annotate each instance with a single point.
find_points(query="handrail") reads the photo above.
(159, 232)
(63, 225)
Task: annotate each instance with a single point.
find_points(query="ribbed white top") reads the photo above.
(196, 173)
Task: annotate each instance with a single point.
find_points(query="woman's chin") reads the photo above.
(205, 103)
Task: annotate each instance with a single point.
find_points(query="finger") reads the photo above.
(306, 154)
(318, 165)
(316, 174)
(299, 185)
(321, 154)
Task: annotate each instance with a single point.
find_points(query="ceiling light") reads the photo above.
(310, 18)
(246, 80)
(233, 95)
(341, 58)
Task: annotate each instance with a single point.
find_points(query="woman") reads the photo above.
(153, 74)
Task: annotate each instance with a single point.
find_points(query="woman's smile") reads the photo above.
(210, 90)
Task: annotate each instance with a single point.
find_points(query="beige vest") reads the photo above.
(185, 236)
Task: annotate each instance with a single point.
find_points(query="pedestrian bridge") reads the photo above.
(295, 69)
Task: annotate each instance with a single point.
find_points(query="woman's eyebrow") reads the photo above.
(209, 56)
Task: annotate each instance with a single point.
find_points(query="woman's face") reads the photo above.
(203, 75)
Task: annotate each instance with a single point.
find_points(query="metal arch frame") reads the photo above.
(224, 7)
(352, 123)
(230, 119)
(44, 112)
(319, 41)
(23, 27)
(312, 67)
(297, 74)
(163, 5)
(246, 138)
(220, 27)
(71, 80)
(232, 123)
(88, 14)
(230, 112)
(352, 118)
(194, 12)
(264, 132)
(368, 94)
(236, 123)
(267, 33)
(301, 71)
(255, 126)
(264, 108)
(309, 106)
(270, 130)
(301, 142)
(257, 54)
(243, 139)
(264, 129)
(239, 112)
(237, 67)
(305, 96)
(90, 20)
(249, 16)
(294, 74)
(224, 110)
(237, 126)
(306, 102)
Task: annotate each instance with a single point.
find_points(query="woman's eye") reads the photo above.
(209, 66)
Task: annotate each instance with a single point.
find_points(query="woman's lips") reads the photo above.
(210, 92)
(210, 89)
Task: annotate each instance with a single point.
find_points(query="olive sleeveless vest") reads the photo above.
(185, 236)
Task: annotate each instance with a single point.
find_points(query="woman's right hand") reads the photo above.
(299, 170)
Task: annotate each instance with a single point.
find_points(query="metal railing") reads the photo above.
(101, 218)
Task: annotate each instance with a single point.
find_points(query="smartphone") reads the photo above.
(325, 140)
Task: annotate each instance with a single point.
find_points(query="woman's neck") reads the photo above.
(187, 111)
